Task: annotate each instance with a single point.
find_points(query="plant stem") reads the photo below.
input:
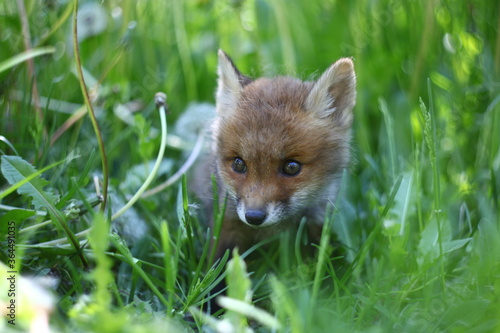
(90, 109)
(160, 99)
(184, 168)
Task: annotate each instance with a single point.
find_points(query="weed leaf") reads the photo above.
(238, 282)
(15, 170)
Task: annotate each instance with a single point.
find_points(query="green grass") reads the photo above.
(418, 215)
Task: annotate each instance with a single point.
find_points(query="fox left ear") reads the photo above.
(334, 94)
(230, 83)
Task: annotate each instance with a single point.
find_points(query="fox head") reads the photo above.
(281, 143)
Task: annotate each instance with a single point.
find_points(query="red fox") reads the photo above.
(279, 147)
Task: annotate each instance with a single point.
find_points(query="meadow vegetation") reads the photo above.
(418, 215)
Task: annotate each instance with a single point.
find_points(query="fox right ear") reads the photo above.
(230, 83)
(334, 94)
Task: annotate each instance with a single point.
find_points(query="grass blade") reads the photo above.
(24, 56)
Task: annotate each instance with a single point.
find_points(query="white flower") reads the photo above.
(92, 19)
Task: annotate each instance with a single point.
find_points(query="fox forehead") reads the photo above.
(280, 95)
(270, 124)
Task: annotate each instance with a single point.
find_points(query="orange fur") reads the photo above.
(274, 126)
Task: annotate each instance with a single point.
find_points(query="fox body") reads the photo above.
(279, 147)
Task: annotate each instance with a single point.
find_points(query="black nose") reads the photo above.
(255, 216)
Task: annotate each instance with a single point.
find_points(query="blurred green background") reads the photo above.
(426, 137)
(171, 46)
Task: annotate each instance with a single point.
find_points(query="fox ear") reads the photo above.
(334, 94)
(230, 83)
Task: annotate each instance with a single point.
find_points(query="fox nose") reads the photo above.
(255, 216)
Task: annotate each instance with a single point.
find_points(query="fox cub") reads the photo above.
(279, 147)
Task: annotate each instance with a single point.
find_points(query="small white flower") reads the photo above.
(92, 19)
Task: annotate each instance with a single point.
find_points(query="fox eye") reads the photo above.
(291, 168)
(239, 165)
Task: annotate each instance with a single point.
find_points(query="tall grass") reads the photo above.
(418, 218)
